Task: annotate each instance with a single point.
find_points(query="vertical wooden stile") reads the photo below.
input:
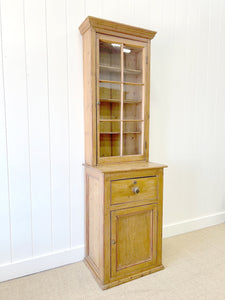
(144, 79)
(97, 101)
(147, 98)
(121, 109)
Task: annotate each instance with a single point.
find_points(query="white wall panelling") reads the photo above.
(37, 94)
(93, 8)
(17, 125)
(41, 121)
(5, 235)
(56, 25)
(75, 16)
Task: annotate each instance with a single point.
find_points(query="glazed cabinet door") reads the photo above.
(122, 99)
(133, 239)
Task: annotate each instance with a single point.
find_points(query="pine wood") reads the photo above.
(123, 191)
(133, 239)
(134, 225)
(89, 96)
(128, 142)
(132, 166)
(101, 25)
(94, 188)
(125, 141)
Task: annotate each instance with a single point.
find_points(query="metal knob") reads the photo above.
(113, 242)
(136, 190)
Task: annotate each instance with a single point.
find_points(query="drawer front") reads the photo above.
(134, 189)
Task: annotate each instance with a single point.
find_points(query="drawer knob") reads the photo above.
(136, 190)
(113, 242)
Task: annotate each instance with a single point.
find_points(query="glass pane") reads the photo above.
(132, 138)
(109, 98)
(132, 64)
(132, 107)
(109, 61)
(109, 139)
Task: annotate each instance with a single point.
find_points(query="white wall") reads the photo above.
(41, 121)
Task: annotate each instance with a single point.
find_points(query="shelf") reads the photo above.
(128, 101)
(110, 100)
(131, 132)
(110, 120)
(109, 132)
(132, 101)
(132, 120)
(118, 70)
(121, 82)
(119, 120)
(133, 83)
(109, 81)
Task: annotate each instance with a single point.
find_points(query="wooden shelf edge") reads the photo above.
(119, 120)
(132, 132)
(109, 132)
(118, 69)
(121, 82)
(128, 101)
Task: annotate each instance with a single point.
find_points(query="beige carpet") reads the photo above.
(195, 269)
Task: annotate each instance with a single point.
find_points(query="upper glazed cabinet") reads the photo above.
(116, 91)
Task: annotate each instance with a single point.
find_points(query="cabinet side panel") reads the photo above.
(89, 97)
(160, 217)
(94, 221)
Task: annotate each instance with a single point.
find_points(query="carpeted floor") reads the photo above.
(195, 269)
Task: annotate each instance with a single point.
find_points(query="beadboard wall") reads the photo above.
(41, 121)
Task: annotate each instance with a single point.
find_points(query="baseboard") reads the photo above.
(68, 256)
(41, 263)
(193, 224)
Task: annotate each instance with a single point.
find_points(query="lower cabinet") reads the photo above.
(133, 239)
(123, 223)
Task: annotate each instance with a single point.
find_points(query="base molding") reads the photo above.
(193, 224)
(41, 263)
(113, 283)
(56, 259)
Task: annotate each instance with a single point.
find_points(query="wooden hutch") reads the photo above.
(124, 192)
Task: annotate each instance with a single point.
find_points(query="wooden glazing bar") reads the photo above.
(143, 99)
(121, 104)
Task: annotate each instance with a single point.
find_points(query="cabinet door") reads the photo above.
(122, 99)
(133, 239)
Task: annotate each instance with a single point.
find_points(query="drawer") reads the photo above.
(134, 189)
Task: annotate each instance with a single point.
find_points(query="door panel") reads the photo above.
(133, 239)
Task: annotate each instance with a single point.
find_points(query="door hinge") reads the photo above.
(146, 59)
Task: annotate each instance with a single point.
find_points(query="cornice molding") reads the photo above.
(101, 25)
